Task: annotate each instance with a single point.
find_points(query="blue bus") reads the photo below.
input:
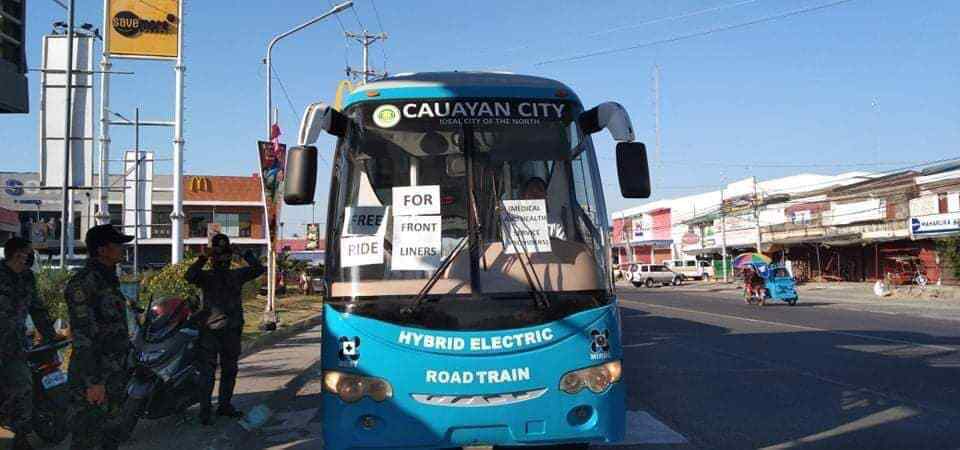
(468, 291)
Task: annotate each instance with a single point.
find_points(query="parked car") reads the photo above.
(651, 274)
(691, 268)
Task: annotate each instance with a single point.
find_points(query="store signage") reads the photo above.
(143, 29)
(935, 224)
(200, 184)
(13, 187)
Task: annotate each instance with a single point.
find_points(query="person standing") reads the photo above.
(18, 297)
(221, 334)
(101, 341)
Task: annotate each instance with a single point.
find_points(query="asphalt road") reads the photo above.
(727, 375)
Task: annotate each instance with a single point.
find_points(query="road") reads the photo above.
(728, 375)
(705, 371)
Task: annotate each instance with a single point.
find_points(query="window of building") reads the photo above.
(233, 224)
(198, 223)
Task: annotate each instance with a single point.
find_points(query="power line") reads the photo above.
(693, 35)
(346, 42)
(293, 109)
(671, 18)
(383, 51)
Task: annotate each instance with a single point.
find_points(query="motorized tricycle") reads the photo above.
(769, 282)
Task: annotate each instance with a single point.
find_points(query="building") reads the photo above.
(229, 204)
(851, 227)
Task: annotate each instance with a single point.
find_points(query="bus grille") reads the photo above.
(476, 401)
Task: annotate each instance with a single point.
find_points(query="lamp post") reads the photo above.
(269, 320)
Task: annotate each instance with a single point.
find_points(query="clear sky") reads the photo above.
(865, 84)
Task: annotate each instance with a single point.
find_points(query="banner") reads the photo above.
(272, 161)
(140, 28)
(53, 111)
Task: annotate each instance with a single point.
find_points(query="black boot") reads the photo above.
(227, 410)
(20, 442)
(206, 419)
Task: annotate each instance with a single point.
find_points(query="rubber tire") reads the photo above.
(636, 283)
(649, 283)
(677, 281)
(763, 298)
(792, 302)
(50, 426)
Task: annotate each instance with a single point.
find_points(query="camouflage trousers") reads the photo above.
(92, 425)
(16, 385)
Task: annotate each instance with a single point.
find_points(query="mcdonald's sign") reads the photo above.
(200, 184)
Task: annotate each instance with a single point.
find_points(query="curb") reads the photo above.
(250, 347)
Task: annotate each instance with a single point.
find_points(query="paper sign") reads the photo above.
(416, 200)
(416, 243)
(524, 226)
(361, 250)
(365, 220)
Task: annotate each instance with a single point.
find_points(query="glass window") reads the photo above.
(229, 223)
(198, 223)
(245, 225)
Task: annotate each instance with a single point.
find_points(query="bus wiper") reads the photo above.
(418, 300)
(540, 299)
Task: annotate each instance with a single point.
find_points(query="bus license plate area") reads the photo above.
(54, 379)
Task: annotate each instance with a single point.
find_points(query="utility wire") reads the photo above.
(346, 42)
(293, 109)
(707, 32)
(383, 52)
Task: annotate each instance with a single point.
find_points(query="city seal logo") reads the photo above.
(386, 116)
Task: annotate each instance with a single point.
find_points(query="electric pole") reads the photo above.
(366, 40)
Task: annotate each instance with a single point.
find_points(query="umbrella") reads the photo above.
(746, 259)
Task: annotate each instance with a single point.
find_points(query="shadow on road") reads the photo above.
(743, 385)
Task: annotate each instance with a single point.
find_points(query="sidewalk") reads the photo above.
(264, 375)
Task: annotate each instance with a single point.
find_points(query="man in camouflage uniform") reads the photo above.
(101, 342)
(220, 336)
(18, 296)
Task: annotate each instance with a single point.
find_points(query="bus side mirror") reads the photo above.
(301, 176)
(317, 117)
(632, 169)
(609, 115)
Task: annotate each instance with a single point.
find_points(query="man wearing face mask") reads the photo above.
(101, 341)
(18, 297)
(221, 333)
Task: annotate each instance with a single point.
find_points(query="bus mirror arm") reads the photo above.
(317, 117)
(608, 115)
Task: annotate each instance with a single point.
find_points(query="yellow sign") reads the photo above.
(143, 28)
(200, 184)
(343, 89)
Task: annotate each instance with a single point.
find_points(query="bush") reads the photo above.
(168, 282)
(51, 283)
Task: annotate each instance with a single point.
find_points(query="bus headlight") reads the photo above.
(351, 388)
(596, 378)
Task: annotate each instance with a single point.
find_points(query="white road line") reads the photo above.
(642, 428)
(800, 327)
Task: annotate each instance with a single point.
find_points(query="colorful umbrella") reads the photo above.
(746, 259)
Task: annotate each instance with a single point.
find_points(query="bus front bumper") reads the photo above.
(402, 422)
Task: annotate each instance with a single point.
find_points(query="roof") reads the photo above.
(460, 84)
(222, 188)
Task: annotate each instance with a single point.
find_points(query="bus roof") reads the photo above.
(461, 84)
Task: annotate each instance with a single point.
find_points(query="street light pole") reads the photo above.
(271, 257)
(66, 222)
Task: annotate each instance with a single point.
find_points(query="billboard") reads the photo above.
(132, 215)
(140, 29)
(53, 111)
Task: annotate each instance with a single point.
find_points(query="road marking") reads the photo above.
(799, 327)
(642, 428)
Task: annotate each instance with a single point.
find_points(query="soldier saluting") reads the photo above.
(18, 296)
(222, 332)
(101, 341)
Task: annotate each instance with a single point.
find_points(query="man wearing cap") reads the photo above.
(101, 342)
(221, 334)
(18, 297)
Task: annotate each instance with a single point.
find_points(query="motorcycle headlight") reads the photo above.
(351, 388)
(596, 378)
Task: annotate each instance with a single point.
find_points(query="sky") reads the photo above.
(868, 85)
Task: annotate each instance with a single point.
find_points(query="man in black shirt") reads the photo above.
(220, 336)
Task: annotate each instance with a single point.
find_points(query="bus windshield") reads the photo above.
(401, 209)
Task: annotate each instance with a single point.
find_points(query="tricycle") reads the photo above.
(764, 282)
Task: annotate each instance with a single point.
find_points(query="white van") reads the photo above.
(691, 268)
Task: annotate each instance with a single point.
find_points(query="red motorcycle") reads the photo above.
(50, 396)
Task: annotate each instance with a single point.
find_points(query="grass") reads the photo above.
(290, 308)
